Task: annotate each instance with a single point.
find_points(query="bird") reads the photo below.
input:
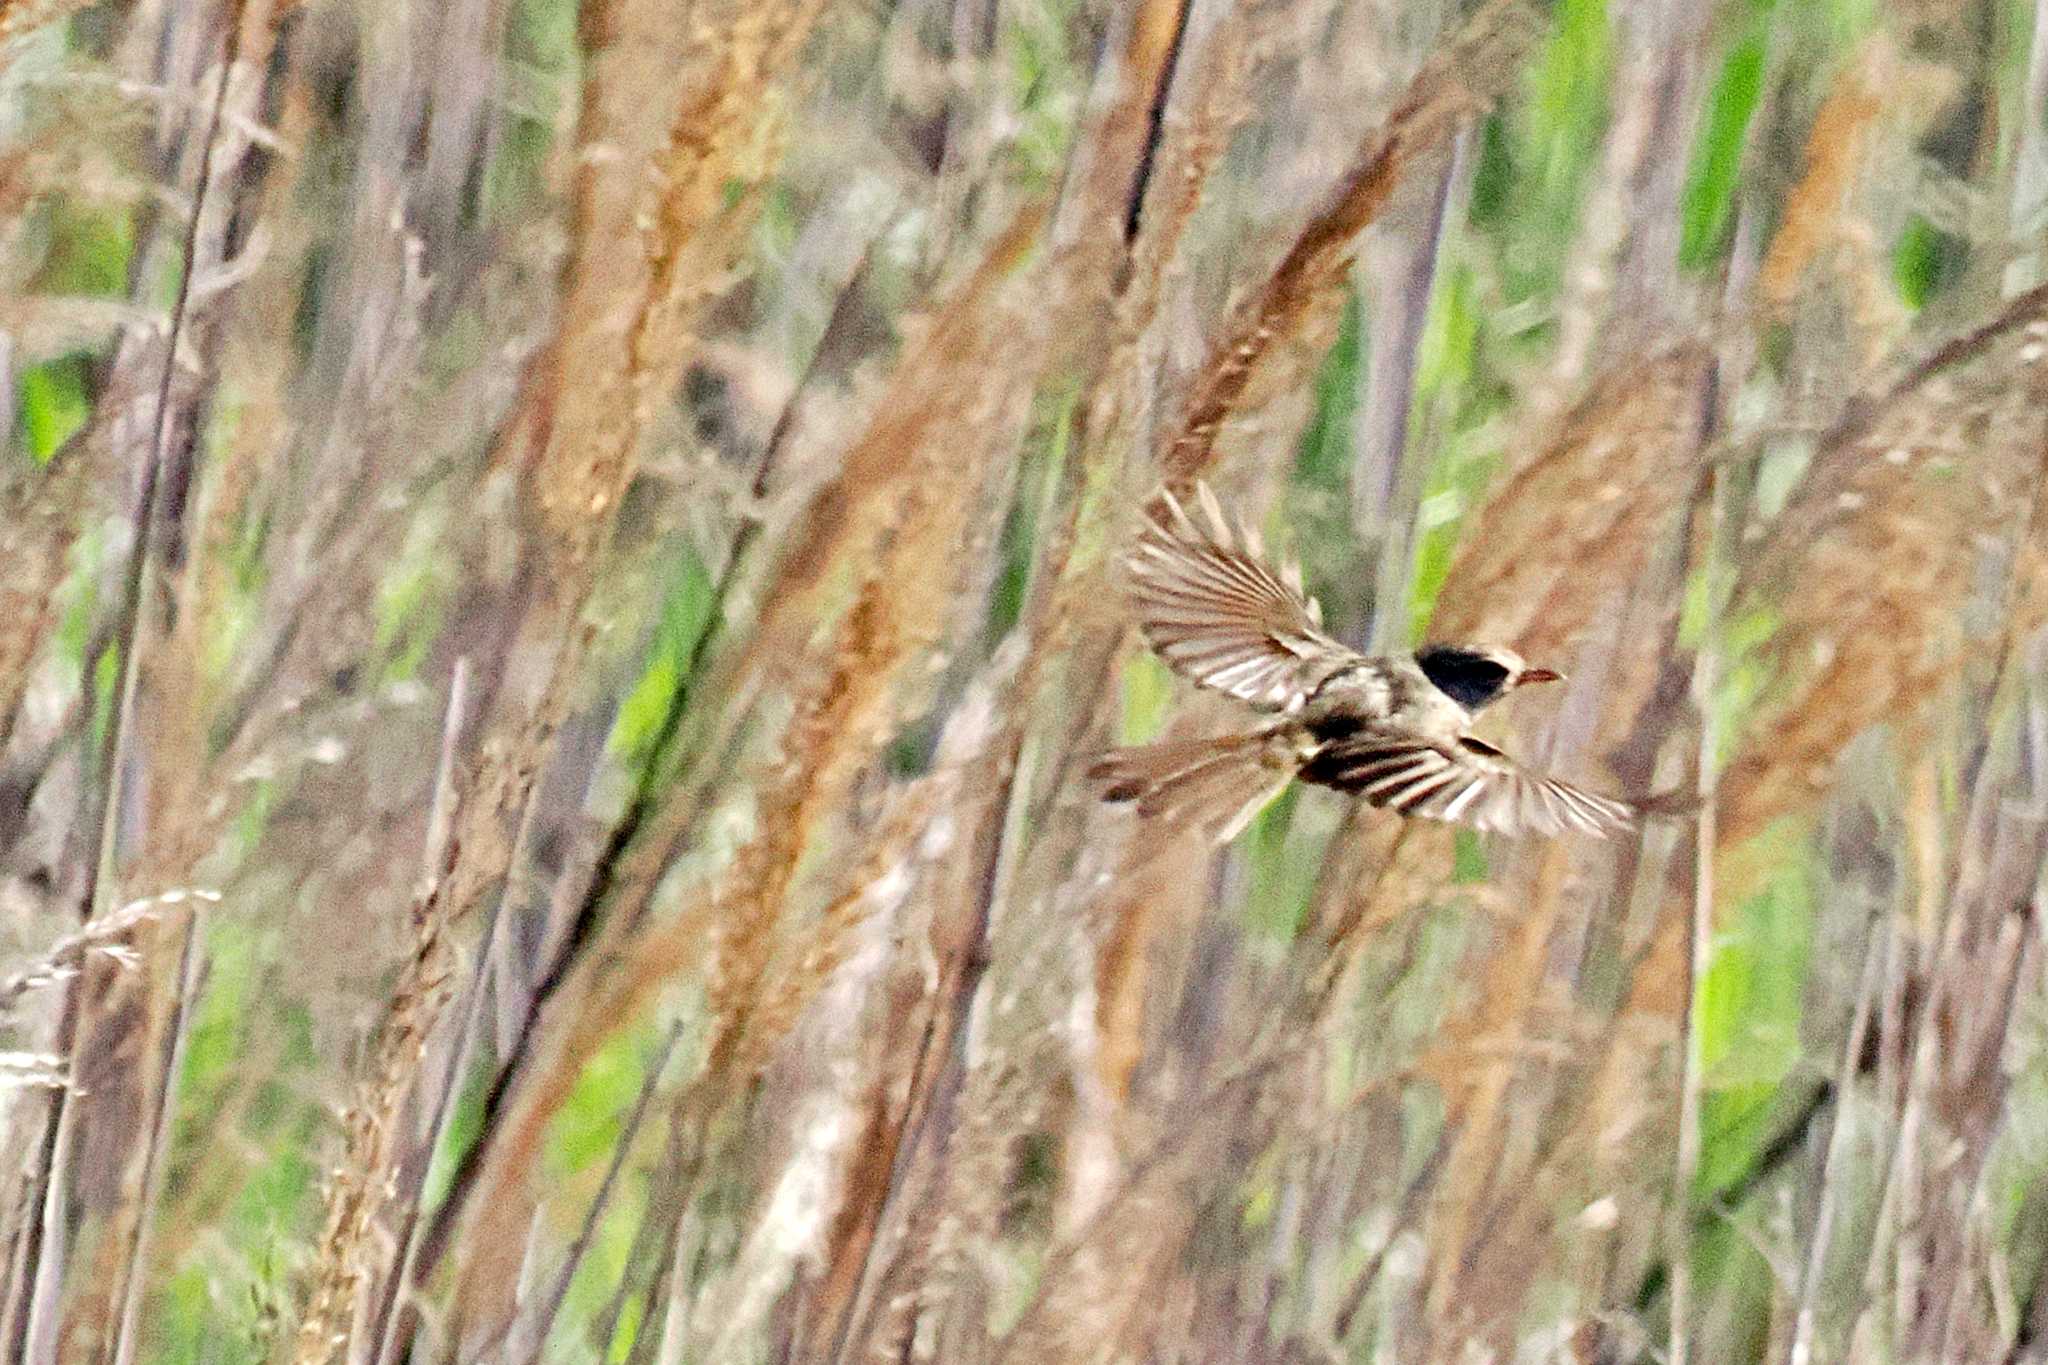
(1394, 730)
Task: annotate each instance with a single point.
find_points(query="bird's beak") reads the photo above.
(1537, 675)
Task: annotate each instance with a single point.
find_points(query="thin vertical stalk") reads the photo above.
(1705, 676)
(373, 1339)
(426, 1239)
(1386, 483)
(1838, 1144)
(156, 1158)
(530, 1336)
(48, 1253)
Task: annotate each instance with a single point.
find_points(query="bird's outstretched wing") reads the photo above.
(1465, 781)
(1220, 616)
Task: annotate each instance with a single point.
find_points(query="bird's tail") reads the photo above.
(1215, 784)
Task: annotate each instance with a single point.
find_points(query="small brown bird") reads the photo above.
(1394, 730)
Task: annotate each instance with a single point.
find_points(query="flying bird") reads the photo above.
(1394, 730)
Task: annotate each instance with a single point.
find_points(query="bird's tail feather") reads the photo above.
(1215, 784)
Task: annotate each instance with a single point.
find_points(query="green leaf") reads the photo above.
(646, 714)
(1707, 208)
(52, 405)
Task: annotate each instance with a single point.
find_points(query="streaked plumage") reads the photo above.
(1393, 730)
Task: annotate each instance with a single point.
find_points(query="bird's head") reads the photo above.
(1475, 675)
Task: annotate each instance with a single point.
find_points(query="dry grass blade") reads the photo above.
(844, 715)
(1692, 1071)
(972, 352)
(128, 1296)
(358, 1185)
(61, 960)
(904, 609)
(1300, 296)
(1584, 506)
(133, 629)
(1880, 99)
(691, 227)
(729, 934)
(1870, 565)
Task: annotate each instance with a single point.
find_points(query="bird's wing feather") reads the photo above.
(1465, 781)
(1220, 616)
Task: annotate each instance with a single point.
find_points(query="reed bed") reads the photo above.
(563, 576)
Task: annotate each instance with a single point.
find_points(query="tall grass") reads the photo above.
(561, 578)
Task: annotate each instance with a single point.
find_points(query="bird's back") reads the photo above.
(1388, 690)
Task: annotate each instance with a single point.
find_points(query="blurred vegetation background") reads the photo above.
(558, 577)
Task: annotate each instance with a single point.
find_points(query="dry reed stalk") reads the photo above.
(881, 1271)
(1609, 482)
(343, 1274)
(261, 326)
(729, 934)
(1706, 677)
(620, 963)
(1583, 506)
(885, 1103)
(1150, 1210)
(1477, 1065)
(136, 1019)
(1915, 484)
(528, 1336)
(126, 1297)
(1071, 620)
(43, 513)
(1621, 281)
(1181, 86)
(857, 1122)
(1832, 1176)
(41, 1326)
(63, 959)
(1613, 1116)
(1160, 888)
(594, 391)
(1878, 101)
(822, 950)
(1965, 974)
(885, 1251)
(975, 348)
(834, 728)
(358, 1186)
(1298, 300)
(900, 616)
(1549, 1100)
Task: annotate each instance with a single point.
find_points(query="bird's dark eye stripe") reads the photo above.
(1468, 678)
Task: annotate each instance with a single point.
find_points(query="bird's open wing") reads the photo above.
(1220, 616)
(1465, 781)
